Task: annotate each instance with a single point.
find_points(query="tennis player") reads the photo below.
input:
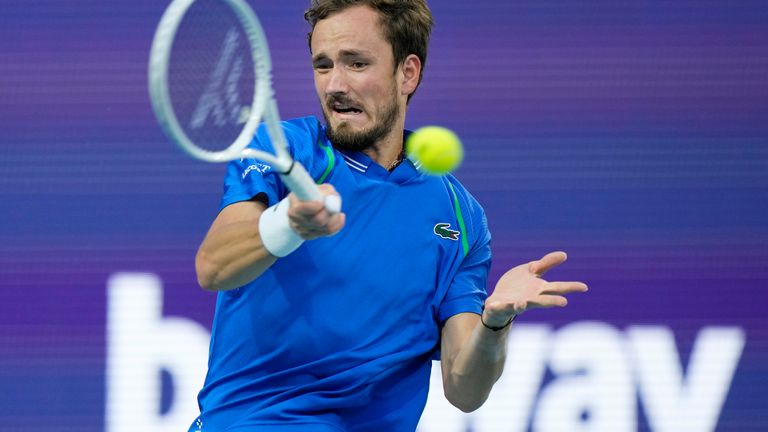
(330, 322)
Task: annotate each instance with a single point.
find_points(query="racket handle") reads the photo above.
(301, 184)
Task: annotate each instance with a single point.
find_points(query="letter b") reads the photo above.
(140, 344)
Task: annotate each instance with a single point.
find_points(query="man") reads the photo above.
(330, 322)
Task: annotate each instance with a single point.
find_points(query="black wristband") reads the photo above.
(496, 328)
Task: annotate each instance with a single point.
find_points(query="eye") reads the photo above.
(322, 66)
(359, 65)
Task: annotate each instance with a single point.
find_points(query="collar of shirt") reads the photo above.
(361, 163)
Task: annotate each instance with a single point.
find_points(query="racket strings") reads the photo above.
(211, 75)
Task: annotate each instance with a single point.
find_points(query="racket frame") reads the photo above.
(263, 106)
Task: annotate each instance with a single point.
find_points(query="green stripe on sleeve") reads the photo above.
(462, 227)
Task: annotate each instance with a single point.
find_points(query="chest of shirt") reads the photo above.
(399, 244)
(410, 225)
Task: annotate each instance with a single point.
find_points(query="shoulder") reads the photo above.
(305, 139)
(303, 128)
(308, 144)
(468, 209)
(301, 133)
(462, 194)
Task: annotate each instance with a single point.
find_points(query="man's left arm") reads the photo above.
(473, 354)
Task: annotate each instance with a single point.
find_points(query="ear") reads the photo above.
(410, 74)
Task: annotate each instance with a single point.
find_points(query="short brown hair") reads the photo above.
(406, 24)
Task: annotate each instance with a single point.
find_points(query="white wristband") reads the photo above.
(277, 236)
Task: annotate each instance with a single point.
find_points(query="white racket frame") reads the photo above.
(293, 174)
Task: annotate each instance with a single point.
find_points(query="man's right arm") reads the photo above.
(233, 253)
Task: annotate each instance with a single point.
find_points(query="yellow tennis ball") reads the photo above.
(438, 150)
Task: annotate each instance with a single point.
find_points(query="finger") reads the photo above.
(564, 287)
(547, 262)
(321, 220)
(308, 226)
(331, 198)
(337, 223)
(305, 209)
(548, 301)
(318, 221)
(331, 201)
(308, 231)
(327, 189)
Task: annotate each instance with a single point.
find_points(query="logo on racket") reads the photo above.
(443, 230)
(220, 100)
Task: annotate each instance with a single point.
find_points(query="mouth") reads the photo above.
(345, 109)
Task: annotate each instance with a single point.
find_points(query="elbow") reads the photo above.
(466, 405)
(212, 275)
(206, 274)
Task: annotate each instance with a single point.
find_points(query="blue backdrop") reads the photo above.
(631, 134)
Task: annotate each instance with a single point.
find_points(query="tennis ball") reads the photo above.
(437, 149)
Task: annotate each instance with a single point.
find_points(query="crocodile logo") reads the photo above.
(444, 230)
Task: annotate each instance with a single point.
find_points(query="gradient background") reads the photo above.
(632, 134)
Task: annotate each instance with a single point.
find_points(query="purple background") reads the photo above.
(633, 135)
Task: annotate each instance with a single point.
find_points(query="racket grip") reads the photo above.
(301, 184)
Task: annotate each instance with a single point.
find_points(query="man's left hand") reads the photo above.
(522, 288)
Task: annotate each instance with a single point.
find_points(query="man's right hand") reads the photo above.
(311, 219)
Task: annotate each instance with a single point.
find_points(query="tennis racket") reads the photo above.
(210, 83)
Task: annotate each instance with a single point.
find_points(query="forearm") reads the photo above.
(476, 367)
(231, 256)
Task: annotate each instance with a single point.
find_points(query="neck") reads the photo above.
(389, 150)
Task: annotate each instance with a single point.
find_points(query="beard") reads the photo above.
(344, 137)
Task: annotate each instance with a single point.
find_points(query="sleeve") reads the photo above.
(247, 179)
(467, 290)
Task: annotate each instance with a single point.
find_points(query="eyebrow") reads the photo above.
(344, 54)
(318, 57)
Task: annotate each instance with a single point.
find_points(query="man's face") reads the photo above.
(355, 78)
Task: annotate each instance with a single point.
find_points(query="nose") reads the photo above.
(337, 82)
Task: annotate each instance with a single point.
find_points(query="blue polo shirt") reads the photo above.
(340, 334)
